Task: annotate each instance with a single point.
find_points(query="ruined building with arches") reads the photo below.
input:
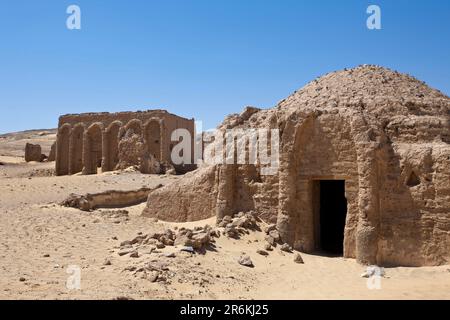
(91, 141)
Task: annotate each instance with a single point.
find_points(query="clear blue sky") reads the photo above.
(200, 58)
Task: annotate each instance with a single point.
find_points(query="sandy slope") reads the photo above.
(39, 240)
(13, 144)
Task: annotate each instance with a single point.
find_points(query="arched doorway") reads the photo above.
(134, 125)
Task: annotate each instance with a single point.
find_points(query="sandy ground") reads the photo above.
(40, 241)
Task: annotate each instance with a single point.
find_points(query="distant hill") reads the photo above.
(13, 144)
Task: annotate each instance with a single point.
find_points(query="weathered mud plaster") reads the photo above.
(385, 134)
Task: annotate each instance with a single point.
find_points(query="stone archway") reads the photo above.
(134, 125)
(93, 148)
(153, 138)
(62, 150)
(76, 149)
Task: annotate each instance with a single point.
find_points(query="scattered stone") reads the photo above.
(134, 254)
(231, 232)
(166, 241)
(138, 239)
(169, 255)
(183, 240)
(200, 240)
(286, 248)
(130, 268)
(160, 245)
(246, 261)
(188, 249)
(107, 262)
(298, 258)
(125, 251)
(275, 235)
(22, 279)
(215, 233)
(269, 228)
(46, 255)
(262, 252)
(268, 247)
(270, 240)
(153, 276)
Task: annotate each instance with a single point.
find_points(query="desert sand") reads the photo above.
(39, 240)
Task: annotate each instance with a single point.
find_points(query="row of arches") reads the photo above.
(85, 149)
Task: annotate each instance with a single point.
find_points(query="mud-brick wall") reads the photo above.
(325, 150)
(415, 205)
(107, 118)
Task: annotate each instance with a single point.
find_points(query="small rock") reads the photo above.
(183, 240)
(246, 261)
(169, 255)
(107, 262)
(227, 219)
(275, 235)
(46, 255)
(134, 254)
(298, 258)
(153, 276)
(125, 243)
(130, 268)
(270, 240)
(22, 279)
(123, 252)
(262, 252)
(200, 240)
(230, 231)
(138, 239)
(268, 247)
(286, 248)
(160, 245)
(269, 228)
(187, 249)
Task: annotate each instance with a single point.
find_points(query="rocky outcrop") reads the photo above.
(181, 202)
(108, 199)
